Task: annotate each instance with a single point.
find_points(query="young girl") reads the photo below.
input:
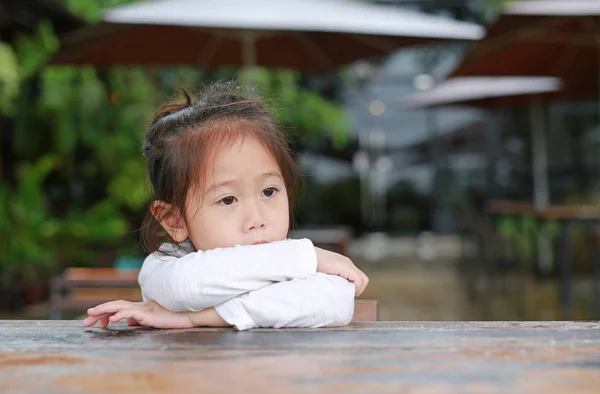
(223, 183)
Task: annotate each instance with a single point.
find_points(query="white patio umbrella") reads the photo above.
(483, 91)
(300, 34)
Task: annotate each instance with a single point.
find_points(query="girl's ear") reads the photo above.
(171, 219)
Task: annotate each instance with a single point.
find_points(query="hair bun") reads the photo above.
(171, 107)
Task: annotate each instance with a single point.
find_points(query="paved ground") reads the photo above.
(417, 292)
(431, 291)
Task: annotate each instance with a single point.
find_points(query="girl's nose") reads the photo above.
(254, 218)
(258, 226)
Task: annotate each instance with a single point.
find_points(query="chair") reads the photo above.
(365, 310)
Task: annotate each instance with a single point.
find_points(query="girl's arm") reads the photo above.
(151, 314)
(318, 301)
(199, 280)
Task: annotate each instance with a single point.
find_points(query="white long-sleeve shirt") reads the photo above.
(270, 285)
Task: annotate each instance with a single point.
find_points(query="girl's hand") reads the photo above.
(336, 264)
(148, 314)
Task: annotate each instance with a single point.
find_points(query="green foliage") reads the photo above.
(106, 121)
(524, 231)
(27, 228)
(497, 3)
(18, 64)
(9, 78)
(34, 52)
(91, 10)
(102, 223)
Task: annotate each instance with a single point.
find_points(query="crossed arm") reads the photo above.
(271, 285)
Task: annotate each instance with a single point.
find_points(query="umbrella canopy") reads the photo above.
(301, 34)
(542, 38)
(484, 92)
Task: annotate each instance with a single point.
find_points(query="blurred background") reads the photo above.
(451, 148)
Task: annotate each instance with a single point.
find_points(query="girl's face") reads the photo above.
(244, 201)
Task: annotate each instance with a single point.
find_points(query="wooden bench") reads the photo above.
(334, 239)
(365, 310)
(81, 288)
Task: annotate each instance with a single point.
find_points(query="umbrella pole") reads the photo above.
(433, 145)
(493, 137)
(541, 194)
(248, 48)
(597, 42)
(248, 40)
(598, 71)
(539, 156)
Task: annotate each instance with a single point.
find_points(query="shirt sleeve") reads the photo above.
(318, 301)
(204, 279)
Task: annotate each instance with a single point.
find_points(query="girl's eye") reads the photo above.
(269, 192)
(227, 200)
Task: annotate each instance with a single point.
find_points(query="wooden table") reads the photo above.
(375, 357)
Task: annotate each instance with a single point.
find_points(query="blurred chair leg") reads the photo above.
(488, 282)
(595, 263)
(565, 289)
(55, 314)
(55, 290)
(471, 267)
(521, 282)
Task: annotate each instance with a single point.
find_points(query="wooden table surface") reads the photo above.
(375, 357)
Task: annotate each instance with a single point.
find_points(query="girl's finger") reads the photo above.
(91, 320)
(364, 282)
(132, 322)
(351, 277)
(358, 285)
(110, 307)
(123, 314)
(361, 287)
(130, 313)
(104, 322)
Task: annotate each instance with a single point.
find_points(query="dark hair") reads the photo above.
(182, 140)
